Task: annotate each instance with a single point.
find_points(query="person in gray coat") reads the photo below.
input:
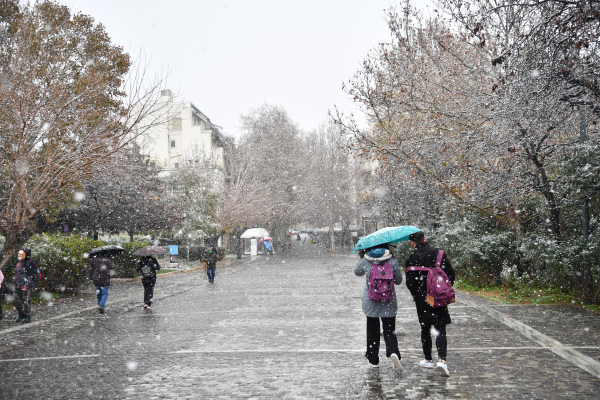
(380, 310)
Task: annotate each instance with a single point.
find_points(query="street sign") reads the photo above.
(173, 250)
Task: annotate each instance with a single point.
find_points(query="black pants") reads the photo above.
(148, 283)
(22, 301)
(440, 340)
(373, 338)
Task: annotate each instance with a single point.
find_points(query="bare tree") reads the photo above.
(70, 99)
(326, 192)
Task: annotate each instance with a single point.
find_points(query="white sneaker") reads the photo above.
(442, 367)
(396, 362)
(426, 364)
(373, 365)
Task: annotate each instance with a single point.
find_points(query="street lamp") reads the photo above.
(187, 235)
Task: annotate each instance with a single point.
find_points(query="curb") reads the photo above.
(224, 263)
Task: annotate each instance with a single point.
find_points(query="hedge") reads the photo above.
(62, 260)
(126, 264)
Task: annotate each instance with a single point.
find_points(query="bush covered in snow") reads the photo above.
(484, 252)
(126, 264)
(62, 260)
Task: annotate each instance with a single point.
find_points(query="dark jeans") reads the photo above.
(148, 283)
(374, 337)
(211, 274)
(440, 340)
(22, 301)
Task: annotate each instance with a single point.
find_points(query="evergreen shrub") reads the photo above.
(126, 263)
(62, 260)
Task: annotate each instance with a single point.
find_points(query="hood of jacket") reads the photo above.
(379, 260)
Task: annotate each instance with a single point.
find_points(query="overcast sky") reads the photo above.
(228, 57)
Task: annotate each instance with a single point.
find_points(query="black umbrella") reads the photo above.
(109, 250)
(150, 251)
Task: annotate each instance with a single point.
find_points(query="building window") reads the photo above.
(197, 121)
(176, 165)
(173, 144)
(176, 124)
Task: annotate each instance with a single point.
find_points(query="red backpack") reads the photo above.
(439, 288)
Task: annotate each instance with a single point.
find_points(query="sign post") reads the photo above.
(173, 252)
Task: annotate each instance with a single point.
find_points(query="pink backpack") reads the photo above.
(381, 282)
(439, 288)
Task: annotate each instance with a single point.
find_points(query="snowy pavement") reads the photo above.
(288, 326)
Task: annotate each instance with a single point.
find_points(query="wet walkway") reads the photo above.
(288, 326)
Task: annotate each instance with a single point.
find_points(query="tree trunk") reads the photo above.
(331, 237)
(131, 235)
(16, 237)
(548, 193)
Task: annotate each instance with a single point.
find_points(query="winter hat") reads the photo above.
(376, 253)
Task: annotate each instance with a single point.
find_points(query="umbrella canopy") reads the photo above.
(150, 251)
(110, 249)
(255, 233)
(393, 234)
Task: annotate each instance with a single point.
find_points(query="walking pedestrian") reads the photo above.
(438, 317)
(211, 263)
(147, 267)
(1, 280)
(27, 274)
(383, 307)
(101, 269)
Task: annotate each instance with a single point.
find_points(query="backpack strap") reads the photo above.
(438, 262)
(417, 269)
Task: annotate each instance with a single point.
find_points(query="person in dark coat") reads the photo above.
(1, 279)
(416, 281)
(211, 263)
(147, 267)
(101, 269)
(27, 274)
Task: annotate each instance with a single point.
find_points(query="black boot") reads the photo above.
(20, 318)
(26, 319)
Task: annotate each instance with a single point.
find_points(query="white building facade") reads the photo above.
(188, 138)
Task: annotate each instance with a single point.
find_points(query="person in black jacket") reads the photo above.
(27, 274)
(101, 269)
(211, 263)
(147, 267)
(416, 281)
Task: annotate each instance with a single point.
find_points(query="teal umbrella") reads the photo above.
(393, 234)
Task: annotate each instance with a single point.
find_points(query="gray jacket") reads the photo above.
(378, 309)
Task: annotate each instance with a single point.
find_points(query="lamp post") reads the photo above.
(187, 235)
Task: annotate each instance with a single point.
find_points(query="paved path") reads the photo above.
(288, 327)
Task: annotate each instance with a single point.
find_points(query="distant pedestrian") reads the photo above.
(101, 269)
(379, 302)
(211, 263)
(438, 317)
(147, 267)
(27, 274)
(1, 280)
